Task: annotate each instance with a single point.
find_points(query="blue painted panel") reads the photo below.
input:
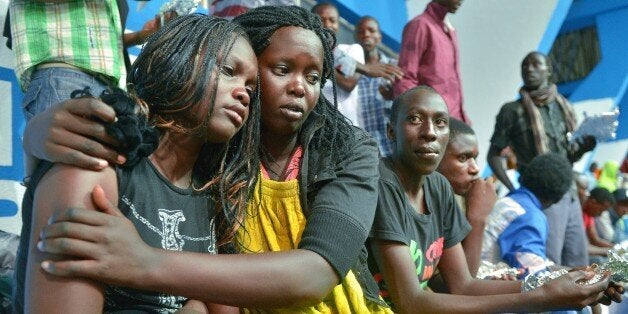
(583, 12)
(391, 14)
(15, 171)
(622, 130)
(610, 77)
(568, 88)
(554, 25)
(8, 208)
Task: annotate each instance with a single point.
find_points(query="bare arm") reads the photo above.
(62, 186)
(221, 309)
(112, 252)
(247, 280)
(347, 83)
(135, 38)
(193, 307)
(594, 238)
(400, 274)
(596, 250)
(479, 202)
(198, 307)
(390, 72)
(149, 28)
(495, 162)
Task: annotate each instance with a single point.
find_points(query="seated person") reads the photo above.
(517, 229)
(598, 201)
(164, 194)
(621, 208)
(476, 196)
(418, 228)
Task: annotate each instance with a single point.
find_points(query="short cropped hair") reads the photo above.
(458, 127)
(394, 110)
(324, 4)
(548, 177)
(602, 195)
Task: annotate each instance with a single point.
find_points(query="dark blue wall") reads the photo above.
(391, 14)
(609, 79)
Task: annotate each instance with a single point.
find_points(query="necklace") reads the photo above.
(278, 170)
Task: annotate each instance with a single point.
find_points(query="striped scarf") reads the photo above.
(531, 100)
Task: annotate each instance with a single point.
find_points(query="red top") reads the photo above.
(429, 56)
(588, 220)
(292, 169)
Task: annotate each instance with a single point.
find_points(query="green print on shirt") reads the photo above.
(417, 257)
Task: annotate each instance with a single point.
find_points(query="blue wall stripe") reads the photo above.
(554, 25)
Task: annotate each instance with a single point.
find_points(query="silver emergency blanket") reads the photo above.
(602, 125)
(616, 265)
(181, 7)
(488, 270)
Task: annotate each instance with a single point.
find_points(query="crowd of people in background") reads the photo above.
(254, 164)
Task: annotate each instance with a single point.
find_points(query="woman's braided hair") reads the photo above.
(336, 135)
(176, 74)
(137, 139)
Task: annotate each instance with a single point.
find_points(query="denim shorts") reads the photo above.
(50, 86)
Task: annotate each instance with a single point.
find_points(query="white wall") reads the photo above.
(494, 37)
(10, 190)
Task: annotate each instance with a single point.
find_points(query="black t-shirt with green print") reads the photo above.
(442, 226)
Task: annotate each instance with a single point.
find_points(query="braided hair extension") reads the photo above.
(176, 74)
(336, 135)
(137, 139)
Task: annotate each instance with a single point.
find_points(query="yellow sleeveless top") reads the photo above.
(275, 222)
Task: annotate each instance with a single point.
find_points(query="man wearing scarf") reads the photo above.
(535, 124)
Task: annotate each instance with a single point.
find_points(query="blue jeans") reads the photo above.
(50, 86)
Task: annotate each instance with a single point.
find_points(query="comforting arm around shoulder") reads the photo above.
(63, 134)
(266, 280)
(341, 211)
(62, 187)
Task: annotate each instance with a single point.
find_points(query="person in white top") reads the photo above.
(349, 64)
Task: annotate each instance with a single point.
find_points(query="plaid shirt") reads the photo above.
(86, 34)
(374, 110)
